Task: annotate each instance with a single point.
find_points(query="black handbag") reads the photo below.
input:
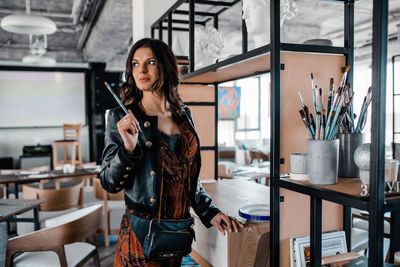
(162, 239)
(168, 238)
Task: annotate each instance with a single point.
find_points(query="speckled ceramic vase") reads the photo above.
(322, 161)
(362, 156)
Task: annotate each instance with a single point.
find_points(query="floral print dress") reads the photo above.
(176, 157)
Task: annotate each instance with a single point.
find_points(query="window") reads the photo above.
(251, 125)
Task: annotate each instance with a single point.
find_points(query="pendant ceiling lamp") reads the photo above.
(38, 47)
(27, 23)
(37, 60)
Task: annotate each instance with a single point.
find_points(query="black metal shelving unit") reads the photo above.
(396, 94)
(375, 203)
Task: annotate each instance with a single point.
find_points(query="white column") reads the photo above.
(146, 12)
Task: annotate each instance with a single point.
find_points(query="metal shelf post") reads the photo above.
(275, 130)
(376, 190)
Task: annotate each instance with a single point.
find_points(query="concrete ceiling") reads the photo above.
(87, 30)
(101, 31)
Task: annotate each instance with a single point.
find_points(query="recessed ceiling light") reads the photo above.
(39, 60)
(28, 24)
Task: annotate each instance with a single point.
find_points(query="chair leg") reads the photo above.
(96, 258)
(106, 227)
(9, 260)
(61, 255)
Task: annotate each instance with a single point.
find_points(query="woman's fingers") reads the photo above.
(227, 222)
(220, 228)
(129, 123)
(236, 224)
(133, 129)
(134, 120)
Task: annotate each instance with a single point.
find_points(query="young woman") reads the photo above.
(153, 154)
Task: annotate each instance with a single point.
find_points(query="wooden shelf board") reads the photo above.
(349, 186)
(244, 68)
(347, 191)
(246, 64)
(250, 63)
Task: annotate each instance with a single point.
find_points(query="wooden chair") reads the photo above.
(225, 169)
(65, 235)
(258, 156)
(72, 131)
(111, 202)
(69, 194)
(70, 147)
(61, 197)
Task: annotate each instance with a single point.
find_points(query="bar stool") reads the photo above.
(70, 147)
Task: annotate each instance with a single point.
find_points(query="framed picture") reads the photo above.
(333, 243)
(228, 102)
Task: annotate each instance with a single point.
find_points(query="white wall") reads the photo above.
(13, 140)
(145, 13)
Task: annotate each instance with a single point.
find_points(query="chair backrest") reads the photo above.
(67, 196)
(256, 155)
(100, 193)
(72, 131)
(73, 227)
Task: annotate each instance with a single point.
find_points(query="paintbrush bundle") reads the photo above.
(339, 116)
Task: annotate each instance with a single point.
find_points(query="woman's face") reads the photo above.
(144, 69)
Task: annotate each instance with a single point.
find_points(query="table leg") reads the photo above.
(394, 234)
(16, 190)
(7, 191)
(36, 218)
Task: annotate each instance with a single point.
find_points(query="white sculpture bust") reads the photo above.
(209, 44)
(256, 15)
(201, 59)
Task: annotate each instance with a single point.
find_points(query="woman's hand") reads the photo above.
(128, 128)
(226, 223)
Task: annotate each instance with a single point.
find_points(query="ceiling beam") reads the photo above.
(93, 15)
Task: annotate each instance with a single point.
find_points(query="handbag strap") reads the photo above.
(162, 189)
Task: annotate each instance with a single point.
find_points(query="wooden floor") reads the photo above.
(106, 256)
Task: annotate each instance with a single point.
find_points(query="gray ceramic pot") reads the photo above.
(347, 145)
(323, 159)
(298, 163)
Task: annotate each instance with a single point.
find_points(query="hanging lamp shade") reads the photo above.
(39, 60)
(28, 24)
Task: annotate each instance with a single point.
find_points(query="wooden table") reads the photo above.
(9, 208)
(18, 177)
(254, 172)
(249, 247)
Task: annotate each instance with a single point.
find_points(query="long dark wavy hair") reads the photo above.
(167, 71)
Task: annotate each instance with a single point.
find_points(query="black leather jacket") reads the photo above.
(138, 173)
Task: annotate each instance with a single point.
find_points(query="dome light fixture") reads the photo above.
(28, 24)
(44, 61)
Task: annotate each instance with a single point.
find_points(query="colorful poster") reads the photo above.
(228, 102)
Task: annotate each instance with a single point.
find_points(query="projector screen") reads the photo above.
(41, 98)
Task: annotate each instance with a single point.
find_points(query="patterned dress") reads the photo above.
(177, 153)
